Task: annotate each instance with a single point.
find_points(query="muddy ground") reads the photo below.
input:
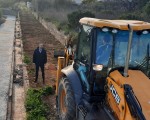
(34, 33)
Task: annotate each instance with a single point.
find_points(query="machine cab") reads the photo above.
(111, 66)
(102, 48)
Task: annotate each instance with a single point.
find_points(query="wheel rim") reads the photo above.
(63, 102)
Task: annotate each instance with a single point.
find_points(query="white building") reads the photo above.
(29, 4)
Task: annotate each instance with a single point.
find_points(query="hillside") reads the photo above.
(59, 11)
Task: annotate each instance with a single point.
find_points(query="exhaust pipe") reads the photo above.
(128, 52)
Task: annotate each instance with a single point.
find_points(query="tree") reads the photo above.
(74, 17)
(0, 14)
(7, 3)
(147, 8)
(130, 16)
(88, 1)
(62, 3)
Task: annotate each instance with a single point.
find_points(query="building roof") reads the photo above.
(119, 24)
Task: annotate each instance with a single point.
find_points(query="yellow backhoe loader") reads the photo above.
(109, 77)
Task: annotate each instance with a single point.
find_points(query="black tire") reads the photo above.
(66, 111)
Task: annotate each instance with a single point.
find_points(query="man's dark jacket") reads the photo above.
(39, 58)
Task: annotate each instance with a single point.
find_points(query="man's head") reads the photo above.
(40, 45)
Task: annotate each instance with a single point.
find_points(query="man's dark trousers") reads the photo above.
(40, 59)
(37, 72)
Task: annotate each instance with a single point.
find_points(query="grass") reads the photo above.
(35, 108)
(64, 26)
(27, 59)
(31, 71)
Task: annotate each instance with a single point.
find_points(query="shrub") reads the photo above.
(130, 16)
(109, 12)
(31, 71)
(27, 59)
(74, 17)
(33, 99)
(147, 8)
(7, 3)
(47, 91)
(0, 13)
(64, 26)
(74, 37)
(36, 109)
(88, 1)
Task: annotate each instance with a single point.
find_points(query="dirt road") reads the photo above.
(34, 33)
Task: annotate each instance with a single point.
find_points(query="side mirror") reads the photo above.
(97, 67)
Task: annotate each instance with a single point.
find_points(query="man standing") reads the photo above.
(40, 59)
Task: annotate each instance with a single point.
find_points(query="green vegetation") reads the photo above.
(130, 16)
(2, 18)
(63, 26)
(147, 8)
(88, 1)
(35, 108)
(26, 59)
(74, 17)
(71, 26)
(7, 3)
(1, 14)
(65, 14)
(31, 71)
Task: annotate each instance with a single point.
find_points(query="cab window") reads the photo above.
(84, 52)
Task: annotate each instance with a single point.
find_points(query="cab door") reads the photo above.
(83, 56)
